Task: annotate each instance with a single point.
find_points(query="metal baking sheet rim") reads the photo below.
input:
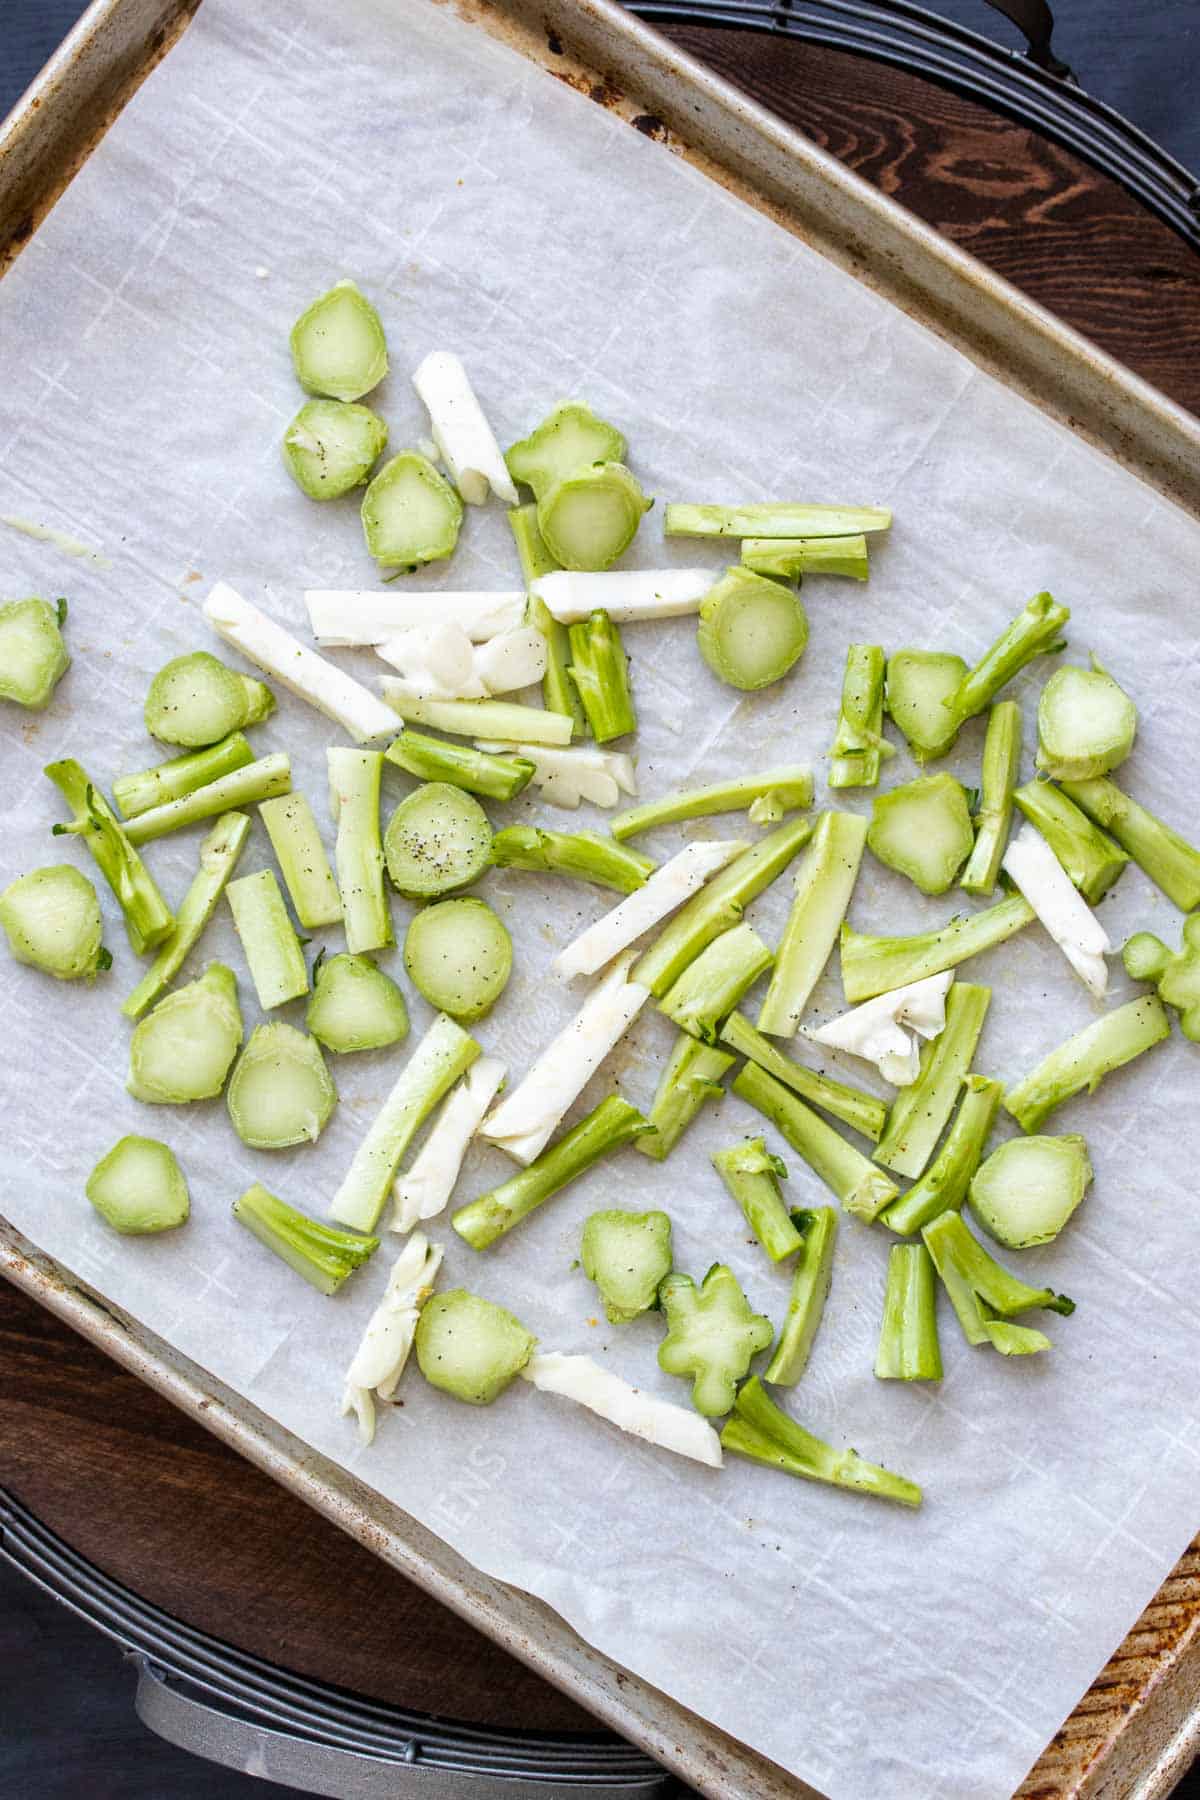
(645, 80)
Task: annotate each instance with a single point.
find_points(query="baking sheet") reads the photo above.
(487, 208)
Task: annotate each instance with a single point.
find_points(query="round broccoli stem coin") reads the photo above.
(919, 683)
(588, 518)
(182, 1050)
(280, 1092)
(570, 439)
(751, 629)
(459, 956)
(194, 701)
(628, 1255)
(470, 1347)
(438, 839)
(1086, 724)
(33, 656)
(338, 346)
(1027, 1189)
(924, 830)
(139, 1187)
(331, 446)
(51, 918)
(410, 514)
(354, 1005)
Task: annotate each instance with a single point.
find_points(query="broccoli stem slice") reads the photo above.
(268, 938)
(584, 855)
(824, 886)
(319, 1252)
(692, 1076)
(1090, 857)
(627, 1255)
(812, 1273)
(711, 986)
(874, 965)
(1176, 974)
(558, 691)
(980, 1288)
(859, 746)
(355, 778)
(773, 519)
(505, 720)
(752, 1175)
(794, 558)
(256, 781)
(599, 671)
(712, 1335)
(613, 1123)
(148, 918)
(766, 797)
(862, 1188)
(908, 1336)
(943, 1186)
(477, 771)
(764, 1433)
(219, 852)
(1036, 631)
(999, 776)
(1167, 858)
(302, 861)
(1086, 1058)
(181, 776)
(919, 1113)
(861, 1111)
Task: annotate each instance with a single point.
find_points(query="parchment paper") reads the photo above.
(488, 209)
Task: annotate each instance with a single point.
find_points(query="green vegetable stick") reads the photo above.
(478, 771)
(943, 1186)
(773, 519)
(859, 746)
(1167, 858)
(302, 859)
(908, 1337)
(692, 1076)
(1085, 1059)
(219, 852)
(874, 965)
(919, 1113)
(766, 797)
(823, 889)
(260, 780)
(1091, 858)
(794, 558)
(812, 1273)
(862, 1188)
(276, 961)
(586, 855)
(752, 1174)
(599, 672)
(173, 780)
(354, 783)
(148, 918)
(1000, 773)
(761, 1431)
(711, 986)
(861, 1111)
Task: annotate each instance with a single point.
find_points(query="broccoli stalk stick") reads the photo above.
(863, 1189)
(1036, 631)
(752, 1174)
(859, 746)
(354, 782)
(709, 988)
(692, 1075)
(148, 918)
(504, 720)
(586, 855)
(943, 1186)
(908, 1337)
(1090, 857)
(599, 670)
(980, 1288)
(558, 691)
(766, 797)
(775, 519)
(1167, 858)
(861, 1111)
(794, 558)
(321, 1253)
(919, 1112)
(219, 852)
(874, 965)
(1000, 772)
(812, 1273)
(823, 889)
(1085, 1059)
(613, 1123)
(268, 938)
(302, 859)
(173, 780)
(261, 780)
(432, 759)
(761, 1431)
(718, 906)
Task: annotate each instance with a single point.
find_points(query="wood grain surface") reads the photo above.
(161, 1505)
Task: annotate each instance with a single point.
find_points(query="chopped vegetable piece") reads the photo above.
(863, 1112)
(812, 1273)
(341, 617)
(659, 1422)
(761, 1431)
(752, 1175)
(319, 1252)
(514, 725)
(338, 346)
(1034, 632)
(176, 779)
(255, 781)
(824, 885)
(148, 918)
(567, 777)
(139, 1187)
(438, 839)
(587, 855)
(444, 1053)
(980, 1288)
(751, 629)
(628, 596)
(943, 1186)
(863, 1189)
(183, 1049)
(196, 701)
(559, 693)
(920, 683)
(33, 656)
(712, 1336)
(708, 990)
(470, 1347)
(51, 918)
(599, 669)
(795, 557)
(773, 519)
(331, 447)
(908, 1337)
(1175, 974)
(423, 1190)
(281, 1092)
(1064, 912)
(1028, 1188)
(354, 1005)
(302, 859)
(1085, 1059)
(923, 830)
(272, 949)
(766, 797)
(439, 662)
(1086, 724)
(884, 1031)
(459, 956)
(613, 1123)
(660, 893)
(431, 759)
(219, 852)
(1090, 857)
(355, 777)
(1167, 858)
(588, 518)
(465, 441)
(692, 1075)
(571, 437)
(627, 1255)
(871, 965)
(919, 1113)
(379, 1361)
(859, 746)
(536, 560)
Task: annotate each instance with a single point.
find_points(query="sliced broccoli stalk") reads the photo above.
(280, 1093)
(862, 1188)
(692, 1076)
(183, 1049)
(1167, 858)
(761, 1431)
(861, 1111)
(33, 656)
(1000, 774)
(873, 965)
(1175, 974)
(923, 830)
(268, 938)
(944, 1184)
(982, 1290)
(256, 781)
(51, 918)
(908, 1337)
(812, 1273)
(712, 1336)
(338, 346)
(919, 1112)
(751, 629)
(410, 514)
(1028, 1188)
(589, 517)
(558, 690)
(919, 685)
(331, 447)
(1091, 858)
(613, 1123)
(599, 673)
(470, 1347)
(773, 519)
(181, 776)
(794, 558)
(302, 861)
(195, 701)
(320, 1253)
(766, 797)
(483, 720)
(1086, 724)
(355, 779)
(1036, 631)
(585, 855)
(536, 560)
(139, 1187)
(859, 746)
(148, 918)
(219, 852)
(1085, 1059)
(459, 955)
(708, 990)
(752, 1174)
(438, 839)
(572, 437)
(354, 1005)
(432, 759)
(627, 1255)
(823, 889)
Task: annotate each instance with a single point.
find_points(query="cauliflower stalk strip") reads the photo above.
(668, 887)
(884, 1031)
(659, 1422)
(1060, 907)
(381, 1356)
(424, 1190)
(567, 777)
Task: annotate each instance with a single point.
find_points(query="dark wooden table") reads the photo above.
(160, 1504)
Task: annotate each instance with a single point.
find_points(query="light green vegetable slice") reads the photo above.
(470, 1347)
(1027, 1189)
(587, 855)
(588, 518)
(331, 446)
(139, 1187)
(764, 1433)
(148, 918)
(51, 918)
(861, 1111)
(920, 683)
(627, 1255)
(751, 629)
(33, 656)
(355, 780)
(338, 346)
(302, 859)
(321, 1253)
(923, 830)
(998, 780)
(1036, 631)
(859, 746)
(766, 797)
(691, 1076)
(812, 1274)
(1085, 1059)
(219, 852)
(794, 558)
(268, 938)
(503, 719)
(280, 1092)
(824, 886)
(944, 1184)
(908, 1337)
(438, 839)
(919, 1112)
(752, 1175)
(571, 438)
(410, 514)
(708, 990)
(1167, 858)
(558, 690)
(260, 780)
(980, 1288)
(175, 780)
(1091, 858)
(1086, 724)
(195, 701)
(183, 1049)
(479, 771)
(599, 672)
(459, 956)
(773, 519)
(1175, 974)
(874, 965)
(712, 1336)
(862, 1188)
(354, 1005)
